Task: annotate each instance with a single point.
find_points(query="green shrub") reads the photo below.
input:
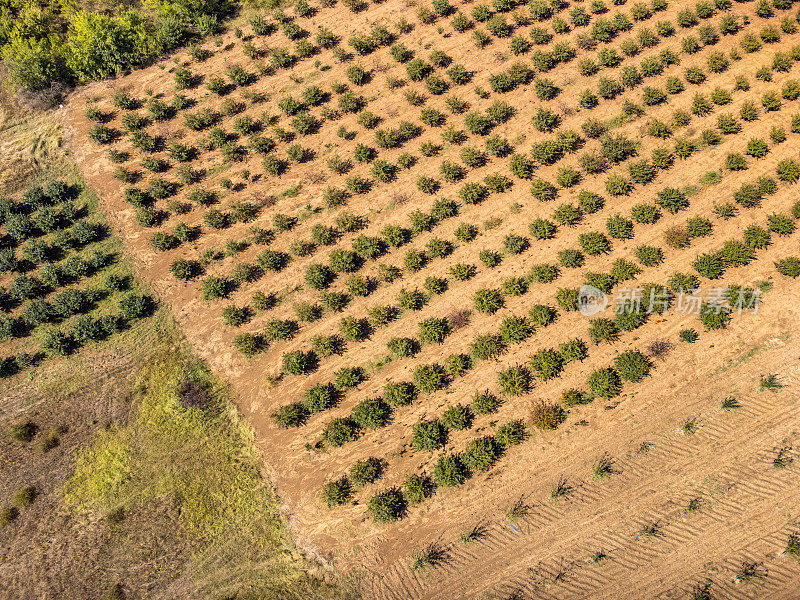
(402, 347)
(515, 329)
(438, 248)
(336, 493)
(320, 397)
(589, 202)
(672, 200)
(339, 431)
(457, 417)
(547, 415)
(521, 166)
(710, 265)
(22, 432)
(546, 364)
(788, 171)
(489, 258)
(449, 471)
(571, 258)
(297, 362)
(8, 515)
(618, 185)
(417, 488)
(387, 506)
(714, 316)
(567, 298)
(411, 300)
(542, 190)
(428, 435)
(603, 330)
(756, 237)
(515, 244)
(572, 350)
(594, 243)
(462, 272)
(698, 226)
(290, 415)
(649, 256)
(515, 380)
(399, 393)
(782, 225)
(789, 266)
(542, 229)
(433, 330)
(510, 434)
(485, 347)
(371, 414)
(632, 365)
(365, 471)
(318, 276)
(280, 329)
(604, 383)
(619, 227)
(395, 236)
(488, 300)
(25, 496)
(429, 378)
(354, 329)
(349, 377)
(515, 286)
(477, 123)
(566, 214)
(484, 403)
(326, 345)
(621, 270)
(480, 454)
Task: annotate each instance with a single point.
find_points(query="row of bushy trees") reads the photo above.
(450, 470)
(47, 243)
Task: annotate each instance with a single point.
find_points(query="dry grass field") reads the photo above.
(373, 221)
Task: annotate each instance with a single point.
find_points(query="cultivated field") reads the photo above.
(374, 220)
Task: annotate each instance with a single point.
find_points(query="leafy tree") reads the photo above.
(449, 471)
(371, 413)
(429, 378)
(428, 435)
(546, 364)
(297, 362)
(632, 365)
(336, 493)
(457, 417)
(604, 383)
(547, 415)
(488, 300)
(290, 415)
(714, 316)
(387, 506)
(515, 380)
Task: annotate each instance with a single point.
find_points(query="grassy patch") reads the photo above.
(200, 456)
